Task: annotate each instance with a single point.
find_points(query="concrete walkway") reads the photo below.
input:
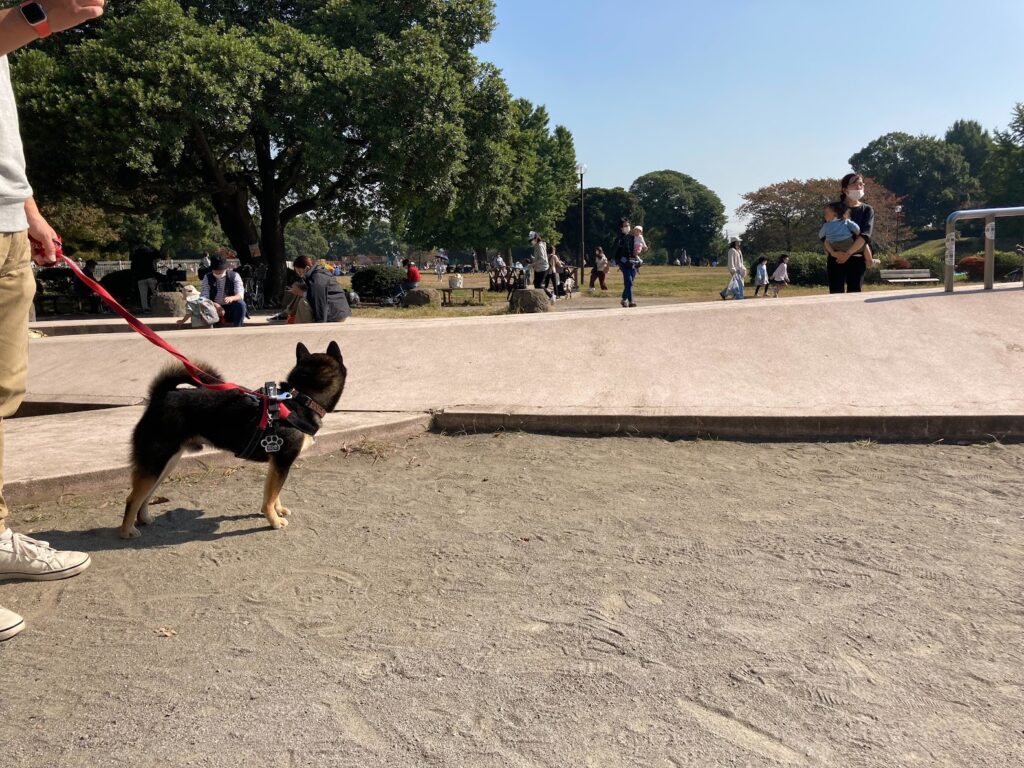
(891, 365)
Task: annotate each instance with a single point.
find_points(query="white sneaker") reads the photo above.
(32, 560)
(10, 624)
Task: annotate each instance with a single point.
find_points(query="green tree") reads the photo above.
(974, 141)
(303, 237)
(680, 212)
(1003, 173)
(931, 176)
(271, 111)
(602, 209)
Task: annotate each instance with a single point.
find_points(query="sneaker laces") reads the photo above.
(32, 549)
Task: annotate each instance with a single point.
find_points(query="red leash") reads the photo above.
(199, 376)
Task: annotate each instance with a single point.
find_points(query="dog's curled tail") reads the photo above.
(175, 375)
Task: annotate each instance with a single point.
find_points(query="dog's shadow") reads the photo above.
(171, 528)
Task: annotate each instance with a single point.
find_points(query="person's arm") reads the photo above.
(16, 33)
(40, 231)
(238, 288)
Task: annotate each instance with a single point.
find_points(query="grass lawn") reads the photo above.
(681, 284)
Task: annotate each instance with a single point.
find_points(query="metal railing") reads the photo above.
(989, 215)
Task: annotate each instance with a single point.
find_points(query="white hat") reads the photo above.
(189, 292)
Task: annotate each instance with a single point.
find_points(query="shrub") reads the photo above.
(974, 266)
(898, 264)
(805, 268)
(377, 282)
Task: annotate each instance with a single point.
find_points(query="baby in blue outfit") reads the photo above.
(839, 232)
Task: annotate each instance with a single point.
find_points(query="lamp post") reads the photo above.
(898, 210)
(581, 169)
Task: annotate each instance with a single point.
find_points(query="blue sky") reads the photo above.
(740, 94)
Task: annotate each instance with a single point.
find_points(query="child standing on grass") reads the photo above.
(761, 276)
(780, 276)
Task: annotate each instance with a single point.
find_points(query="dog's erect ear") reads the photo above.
(300, 352)
(334, 351)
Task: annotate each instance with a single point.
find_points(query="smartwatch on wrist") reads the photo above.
(35, 15)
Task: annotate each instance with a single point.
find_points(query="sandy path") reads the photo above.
(463, 603)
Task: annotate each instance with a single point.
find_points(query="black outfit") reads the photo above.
(326, 298)
(849, 277)
(143, 263)
(624, 247)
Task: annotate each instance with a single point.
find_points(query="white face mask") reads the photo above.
(624, 230)
(854, 194)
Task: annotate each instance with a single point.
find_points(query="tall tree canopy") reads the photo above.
(1003, 173)
(974, 141)
(519, 176)
(930, 174)
(680, 212)
(787, 216)
(602, 209)
(269, 110)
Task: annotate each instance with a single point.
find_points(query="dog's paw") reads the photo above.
(283, 511)
(131, 533)
(145, 517)
(279, 524)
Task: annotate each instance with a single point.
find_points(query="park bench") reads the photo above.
(908, 276)
(476, 297)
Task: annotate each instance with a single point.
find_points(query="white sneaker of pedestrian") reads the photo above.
(625, 303)
(24, 558)
(10, 624)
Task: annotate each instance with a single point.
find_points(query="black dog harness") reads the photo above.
(265, 435)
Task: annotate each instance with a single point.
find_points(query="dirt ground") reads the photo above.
(517, 600)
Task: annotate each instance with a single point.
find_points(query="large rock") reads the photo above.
(529, 300)
(421, 297)
(167, 304)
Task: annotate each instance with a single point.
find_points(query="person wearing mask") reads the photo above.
(224, 288)
(319, 299)
(846, 267)
(626, 259)
(22, 557)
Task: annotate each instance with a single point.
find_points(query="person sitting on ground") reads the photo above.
(318, 298)
(412, 275)
(224, 288)
(761, 276)
(780, 277)
(839, 231)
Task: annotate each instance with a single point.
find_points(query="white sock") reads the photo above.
(6, 535)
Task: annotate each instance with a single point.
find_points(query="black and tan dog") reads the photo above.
(179, 420)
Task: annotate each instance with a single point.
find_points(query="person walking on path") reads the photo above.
(539, 264)
(554, 269)
(761, 276)
(626, 259)
(599, 272)
(737, 271)
(21, 557)
(846, 267)
(780, 277)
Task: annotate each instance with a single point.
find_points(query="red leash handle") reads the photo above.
(199, 376)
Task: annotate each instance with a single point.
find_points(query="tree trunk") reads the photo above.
(232, 206)
(272, 246)
(479, 257)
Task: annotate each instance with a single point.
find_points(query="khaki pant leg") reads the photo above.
(303, 312)
(17, 287)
